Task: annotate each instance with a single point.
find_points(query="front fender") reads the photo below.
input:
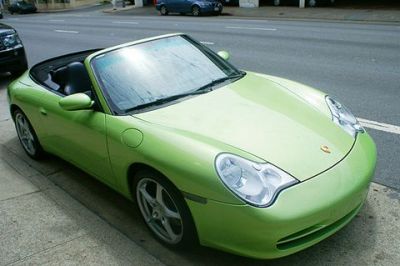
(186, 160)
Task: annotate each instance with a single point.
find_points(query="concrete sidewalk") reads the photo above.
(42, 224)
(287, 12)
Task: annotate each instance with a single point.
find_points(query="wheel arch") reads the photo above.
(13, 108)
(195, 4)
(138, 166)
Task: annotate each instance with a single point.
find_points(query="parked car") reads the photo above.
(12, 52)
(195, 7)
(22, 7)
(311, 3)
(245, 162)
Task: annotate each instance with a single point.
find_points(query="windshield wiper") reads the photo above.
(164, 100)
(203, 89)
(220, 80)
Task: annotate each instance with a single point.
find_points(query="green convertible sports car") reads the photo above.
(244, 162)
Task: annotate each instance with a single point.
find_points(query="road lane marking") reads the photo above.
(379, 126)
(209, 43)
(67, 31)
(250, 28)
(125, 22)
(56, 20)
(250, 20)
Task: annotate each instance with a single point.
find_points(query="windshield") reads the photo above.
(148, 72)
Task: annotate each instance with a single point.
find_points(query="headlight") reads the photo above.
(343, 117)
(256, 183)
(11, 40)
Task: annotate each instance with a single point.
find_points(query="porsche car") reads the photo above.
(248, 163)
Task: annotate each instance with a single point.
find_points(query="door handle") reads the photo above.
(43, 111)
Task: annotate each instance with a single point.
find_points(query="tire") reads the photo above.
(164, 210)
(277, 2)
(196, 11)
(27, 135)
(312, 3)
(163, 10)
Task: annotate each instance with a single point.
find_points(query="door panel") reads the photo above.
(76, 136)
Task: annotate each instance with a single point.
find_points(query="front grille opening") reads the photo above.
(311, 233)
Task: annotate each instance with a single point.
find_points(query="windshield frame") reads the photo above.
(212, 56)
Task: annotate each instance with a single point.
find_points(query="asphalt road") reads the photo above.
(357, 63)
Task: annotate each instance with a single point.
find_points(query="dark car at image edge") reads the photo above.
(12, 52)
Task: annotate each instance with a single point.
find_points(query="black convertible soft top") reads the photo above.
(42, 72)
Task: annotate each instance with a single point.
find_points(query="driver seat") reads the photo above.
(77, 79)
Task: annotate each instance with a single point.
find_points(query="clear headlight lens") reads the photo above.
(343, 117)
(11, 40)
(256, 183)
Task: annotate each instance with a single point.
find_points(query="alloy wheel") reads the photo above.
(163, 11)
(196, 11)
(159, 210)
(25, 134)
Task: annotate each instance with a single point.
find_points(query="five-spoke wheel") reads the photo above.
(27, 135)
(164, 210)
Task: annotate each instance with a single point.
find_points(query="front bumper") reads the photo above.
(302, 215)
(13, 59)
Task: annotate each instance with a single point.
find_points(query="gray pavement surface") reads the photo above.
(51, 212)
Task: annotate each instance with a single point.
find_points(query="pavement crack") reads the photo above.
(46, 249)
(22, 195)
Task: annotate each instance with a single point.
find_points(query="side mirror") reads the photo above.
(77, 101)
(224, 55)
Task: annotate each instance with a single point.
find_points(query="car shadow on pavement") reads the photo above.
(344, 246)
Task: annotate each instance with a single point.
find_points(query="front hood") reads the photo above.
(264, 119)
